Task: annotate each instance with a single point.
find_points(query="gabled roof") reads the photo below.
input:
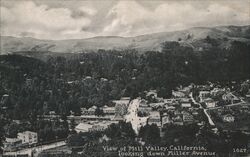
(83, 127)
(228, 115)
(208, 100)
(11, 140)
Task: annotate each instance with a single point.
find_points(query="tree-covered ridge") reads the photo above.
(69, 81)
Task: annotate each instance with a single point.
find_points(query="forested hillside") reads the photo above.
(36, 85)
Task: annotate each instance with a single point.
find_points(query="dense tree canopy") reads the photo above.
(65, 82)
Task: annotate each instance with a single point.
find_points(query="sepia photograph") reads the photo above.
(124, 78)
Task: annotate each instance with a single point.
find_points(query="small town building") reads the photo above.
(97, 128)
(17, 121)
(170, 108)
(168, 101)
(83, 127)
(152, 94)
(108, 110)
(203, 95)
(165, 119)
(177, 120)
(28, 137)
(187, 117)
(11, 143)
(84, 111)
(185, 103)
(185, 90)
(93, 126)
(229, 97)
(157, 105)
(154, 118)
(177, 112)
(209, 102)
(248, 96)
(144, 108)
(28, 82)
(91, 110)
(195, 113)
(217, 91)
(228, 118)
(52, 116)
(122, 101)
(178, 94)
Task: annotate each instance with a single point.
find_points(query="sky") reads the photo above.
(76, 19)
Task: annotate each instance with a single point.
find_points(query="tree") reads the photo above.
(150, 134)
(76, 140)
(72, 125)
(1, 135)
(121, 130)
(12, 129)
(174, 134)
(99, 112)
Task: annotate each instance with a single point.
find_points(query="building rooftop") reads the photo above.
(27, 132)
(12, 140)
(154, 114)
(121, 101)
(208, 100)
(157, 104)
(84, 127)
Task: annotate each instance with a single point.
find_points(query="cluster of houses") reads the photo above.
(231, 114)
(93, 126)
(181, 108)
(178, 110)
(23, 139)
(210, 97)
(89, 121)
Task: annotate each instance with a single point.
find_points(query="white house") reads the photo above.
(83, 127)
(178, 94)
(28, 137)
(209, 102)
(108, 110)
(185, 103)
(91, 111)
(228, 118)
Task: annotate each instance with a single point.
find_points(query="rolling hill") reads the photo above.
(193, 37)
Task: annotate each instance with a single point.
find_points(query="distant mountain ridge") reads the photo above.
(193, 37)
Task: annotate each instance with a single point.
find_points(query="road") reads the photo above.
(209, 118)
(36, 149)
(132, 117)
(204, 110)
